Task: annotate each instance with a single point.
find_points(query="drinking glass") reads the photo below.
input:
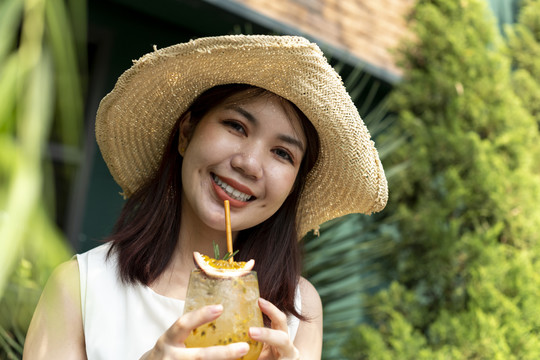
(239, 296)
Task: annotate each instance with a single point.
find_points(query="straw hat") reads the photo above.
(135, 120)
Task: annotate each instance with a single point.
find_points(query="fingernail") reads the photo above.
(215, 309)
(264, 301)
(240, 348)
(254, 332)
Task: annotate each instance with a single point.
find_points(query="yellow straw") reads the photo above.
(228, 229)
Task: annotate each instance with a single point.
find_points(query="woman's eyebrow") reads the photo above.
(292, 141)
(244, 113)
(283, 137)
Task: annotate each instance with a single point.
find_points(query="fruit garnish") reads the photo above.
(226, 267)
(222, 268)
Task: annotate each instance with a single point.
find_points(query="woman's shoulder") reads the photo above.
(309, 337)
(56, 324)
(64, 275)
(63, 285)
(310, 296)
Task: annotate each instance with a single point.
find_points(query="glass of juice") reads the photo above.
(238, 295)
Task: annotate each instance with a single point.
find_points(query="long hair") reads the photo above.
(145, 234)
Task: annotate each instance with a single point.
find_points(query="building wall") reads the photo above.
(369, 29)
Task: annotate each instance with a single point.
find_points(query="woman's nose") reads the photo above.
(248, 163)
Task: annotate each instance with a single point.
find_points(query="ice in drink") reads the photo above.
(238, 295)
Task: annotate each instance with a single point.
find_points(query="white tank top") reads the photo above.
(124, 321)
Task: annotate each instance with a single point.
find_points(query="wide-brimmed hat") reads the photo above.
(135, 120)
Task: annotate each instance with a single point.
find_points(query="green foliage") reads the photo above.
(499, 321)
(343, 265)
(37, 63)
(33, 265)
(467, 257)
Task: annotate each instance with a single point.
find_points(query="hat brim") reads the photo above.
(135, 120)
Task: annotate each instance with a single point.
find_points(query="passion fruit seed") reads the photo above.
(222, 268)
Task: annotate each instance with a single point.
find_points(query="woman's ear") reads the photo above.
(185, 132)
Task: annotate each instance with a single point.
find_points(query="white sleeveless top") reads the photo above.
(124, 321)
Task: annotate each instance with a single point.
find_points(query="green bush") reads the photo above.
(467, 258)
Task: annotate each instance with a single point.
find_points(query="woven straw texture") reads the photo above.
(135, 120)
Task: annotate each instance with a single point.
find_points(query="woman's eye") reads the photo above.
(284, 155)
(236, 126)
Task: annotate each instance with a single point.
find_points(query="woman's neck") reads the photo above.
(197, 236)
(194, 235)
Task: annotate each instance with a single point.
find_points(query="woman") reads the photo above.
(261, 121)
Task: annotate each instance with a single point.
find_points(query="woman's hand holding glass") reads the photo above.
(171, 344)
(277, 343)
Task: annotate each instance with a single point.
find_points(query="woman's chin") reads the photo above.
(218, 224)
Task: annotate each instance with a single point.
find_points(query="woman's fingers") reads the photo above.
(277, 338)
(270, 336)
(279, 342)
(276, 316)
(181, 329)
(226, 352)
(171, 344)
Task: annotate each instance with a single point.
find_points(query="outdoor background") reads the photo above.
(450, 90)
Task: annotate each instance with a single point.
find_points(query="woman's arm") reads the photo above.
(56, 329)
(310, 333)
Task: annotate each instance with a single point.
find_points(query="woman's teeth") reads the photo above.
(232, 192)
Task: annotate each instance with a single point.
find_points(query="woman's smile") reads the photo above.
(247, 152)
(229, 189)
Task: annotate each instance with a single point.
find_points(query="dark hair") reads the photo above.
(146, 233)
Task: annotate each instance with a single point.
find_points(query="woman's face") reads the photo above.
(246, 152)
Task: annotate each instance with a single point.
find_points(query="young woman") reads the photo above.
(261, 121)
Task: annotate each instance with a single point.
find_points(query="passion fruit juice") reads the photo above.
(239, 296)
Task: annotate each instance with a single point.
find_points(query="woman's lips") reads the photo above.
(228, 189)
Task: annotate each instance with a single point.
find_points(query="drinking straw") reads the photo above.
(228, 229)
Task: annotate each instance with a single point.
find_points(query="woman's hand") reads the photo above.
(171, 344)
(277, 343)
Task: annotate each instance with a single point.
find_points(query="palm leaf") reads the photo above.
(342, 263)
(37, 62)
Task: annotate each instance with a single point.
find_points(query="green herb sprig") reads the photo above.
(226, 257)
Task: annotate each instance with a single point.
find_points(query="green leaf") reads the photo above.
(216, 250)
(228, 255)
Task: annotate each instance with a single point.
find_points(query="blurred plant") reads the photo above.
(466, 262)
(345, 262)
(40, 90)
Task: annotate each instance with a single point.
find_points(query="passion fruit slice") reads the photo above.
(222, 268)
